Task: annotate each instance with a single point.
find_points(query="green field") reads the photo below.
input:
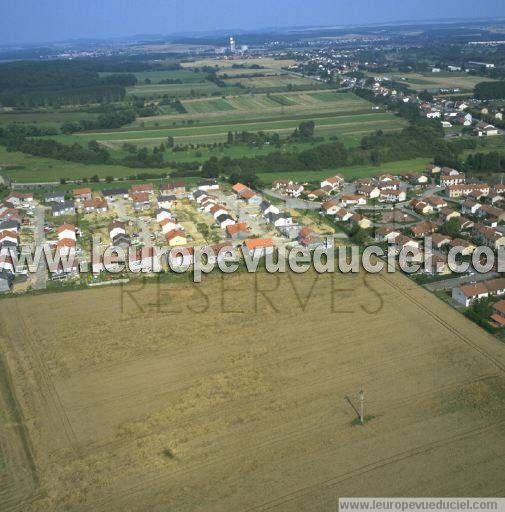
(354, 124)
(206, 106)
(265, 62)
(33, 169)
(237, 72)
(269, 82)
(180, 90)
(187, 76)
(259, 106)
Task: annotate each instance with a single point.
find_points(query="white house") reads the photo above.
(392, 196)
(166, 201)
(330, 207)
(168, 225)
(66, 231)
(162, 214)
(116, 228)
(267, 207)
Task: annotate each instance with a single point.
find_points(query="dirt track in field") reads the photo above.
(231, 395)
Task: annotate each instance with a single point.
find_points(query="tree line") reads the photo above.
(64, 82)
(490, 90)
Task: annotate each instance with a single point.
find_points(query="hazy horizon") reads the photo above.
(30, 21)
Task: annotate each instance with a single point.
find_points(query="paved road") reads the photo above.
(291, 202)
(431, 190)
(39, 280)
(119, 206)
(457, 281)
(144, 232)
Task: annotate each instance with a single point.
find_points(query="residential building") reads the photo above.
(141, 200)
(262, 246)
(82, 194)
(177, 188)
(237, 231)
(468, 293)
(392, 196)
(498, 315)
(54, 197)
(210, 184)
(66, 208)
(167, 201)
(95, 205)
(147, 188)
(330, 207)
(352, 199)
(115, 228)
(422, 229)
(266, 207)
(309, 238)
(176, 237)
(111, 194)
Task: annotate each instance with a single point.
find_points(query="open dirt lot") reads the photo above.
(231, 396)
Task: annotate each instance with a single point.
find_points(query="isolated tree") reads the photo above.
(450, 228)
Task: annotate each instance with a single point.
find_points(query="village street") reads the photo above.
(448, 284)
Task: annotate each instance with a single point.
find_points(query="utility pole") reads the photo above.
(361, 396)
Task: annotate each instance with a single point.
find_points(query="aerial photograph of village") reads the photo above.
(252, 256)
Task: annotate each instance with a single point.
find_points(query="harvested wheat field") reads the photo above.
(231, 396)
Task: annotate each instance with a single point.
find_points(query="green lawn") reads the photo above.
(270, 82)
(187, 76)
(206, 106)
(180, 90)
(38, 169)
(328, 96)
(255, 107)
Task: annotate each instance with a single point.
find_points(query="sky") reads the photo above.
(24, 21)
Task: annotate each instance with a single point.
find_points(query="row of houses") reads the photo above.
(468, 293)
(210, 204)
(328, 186)
(334, 208)
(245, 193)
(273, 215)
(288, 188)
(140, 194)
